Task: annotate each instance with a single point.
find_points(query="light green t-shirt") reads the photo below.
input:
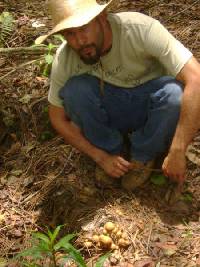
(142, 50)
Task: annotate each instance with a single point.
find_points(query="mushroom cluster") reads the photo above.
(111, 237)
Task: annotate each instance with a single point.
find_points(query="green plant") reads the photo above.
(46, 246)
(48, 57)
(6, 26)
(158, 179)
(187, 197)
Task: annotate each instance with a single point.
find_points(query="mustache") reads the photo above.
(86, 46)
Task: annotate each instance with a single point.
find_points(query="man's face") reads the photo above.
(87, 41)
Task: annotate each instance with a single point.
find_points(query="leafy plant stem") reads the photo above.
(54, 258)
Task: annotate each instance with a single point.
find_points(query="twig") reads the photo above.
(149, 238)
(28, 198)
(25, 50)
(37, 101)
(20, 66)
(146, 169)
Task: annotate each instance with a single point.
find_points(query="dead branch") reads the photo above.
(24, 50)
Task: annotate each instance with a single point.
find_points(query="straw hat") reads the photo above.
(71, 13)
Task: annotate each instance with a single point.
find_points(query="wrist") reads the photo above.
(99, 156)
(177, 150)
(178, 146)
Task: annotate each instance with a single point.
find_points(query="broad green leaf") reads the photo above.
(64, 241)
(41, 236)
(50, 234)
(102, 259)
(55, 233)
(34, 252)
(158, 179)
(75, 255)
(43, 246)
(48, 59)
(51, 46)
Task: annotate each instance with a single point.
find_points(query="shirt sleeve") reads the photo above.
(58, 77)
(166, 48)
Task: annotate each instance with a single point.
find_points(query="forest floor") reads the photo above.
(45, 182)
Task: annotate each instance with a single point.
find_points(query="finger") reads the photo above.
(124, 162)
(165, 172)
(122, 167)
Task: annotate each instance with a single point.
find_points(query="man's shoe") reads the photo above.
(103, 180)
(138, 175)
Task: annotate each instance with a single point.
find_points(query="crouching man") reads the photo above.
(117, 74)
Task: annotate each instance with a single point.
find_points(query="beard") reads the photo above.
(90, 58)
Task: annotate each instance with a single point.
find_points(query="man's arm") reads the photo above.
(113, 165)
(174, 164)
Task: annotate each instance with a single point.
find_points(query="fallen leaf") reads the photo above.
(30, 146)
(168, 249)
(17, 233)
(144, 263)
(25, 99)
(28, 181)
(2, 219)
(37, 24)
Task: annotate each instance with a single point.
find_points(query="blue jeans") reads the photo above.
(149, 112)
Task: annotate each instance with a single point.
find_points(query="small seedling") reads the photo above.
(48, 57)
(158, 179)
(187, 197)
(45, 246)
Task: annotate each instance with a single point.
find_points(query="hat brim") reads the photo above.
(77, 20)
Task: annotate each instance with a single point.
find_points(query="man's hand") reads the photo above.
(115, 166)
(174, 166)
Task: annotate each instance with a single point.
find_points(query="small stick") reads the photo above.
(149, 238)
(147, 169)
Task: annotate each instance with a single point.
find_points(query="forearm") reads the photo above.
(113, 165)
(189, 122)
(73, 136)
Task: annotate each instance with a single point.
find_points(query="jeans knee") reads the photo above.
(174, 92)
(78, 90)
(169, 96)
